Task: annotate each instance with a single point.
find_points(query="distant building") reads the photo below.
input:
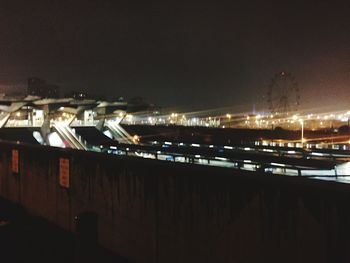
(39, 87)
(77, 95)
(138, 104)
(82, 95)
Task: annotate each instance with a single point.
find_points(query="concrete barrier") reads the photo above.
(154, 211)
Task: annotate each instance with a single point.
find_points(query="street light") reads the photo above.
(302, 131)
(228, 116)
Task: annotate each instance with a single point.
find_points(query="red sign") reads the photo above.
(64, 172)
(15, 163)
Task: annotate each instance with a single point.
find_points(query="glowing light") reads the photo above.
(278, 164)
(221, 158)
(136, 138)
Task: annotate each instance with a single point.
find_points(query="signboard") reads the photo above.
(64, 172)
(15, 162)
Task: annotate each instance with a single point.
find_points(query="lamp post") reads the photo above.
(229, 119)
(302, 132)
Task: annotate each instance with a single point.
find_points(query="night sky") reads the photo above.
(202, 54)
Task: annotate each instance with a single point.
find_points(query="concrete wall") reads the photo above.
(151, 211)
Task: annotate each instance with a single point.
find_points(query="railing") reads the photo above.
(23, 123)
(68, 135)
(328, 169)
(119, 133)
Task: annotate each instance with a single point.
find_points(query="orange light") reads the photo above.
(136, 138)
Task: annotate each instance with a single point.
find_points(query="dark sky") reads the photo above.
(180, 53)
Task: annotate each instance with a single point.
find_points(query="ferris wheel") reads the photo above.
(283, 94)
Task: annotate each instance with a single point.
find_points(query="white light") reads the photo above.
(221, 158)
(108, 134)
(228, 147)
(247, 149)
(55, 140)
(247, 161)
(113, 147)
(197, 156)
(278, 164)
(195, 145)
(268, 150)
(317, 154)
(211, 146)
(38, 137)
(168, 143)
(292, 152)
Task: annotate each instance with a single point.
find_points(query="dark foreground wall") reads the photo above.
(151, 211)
